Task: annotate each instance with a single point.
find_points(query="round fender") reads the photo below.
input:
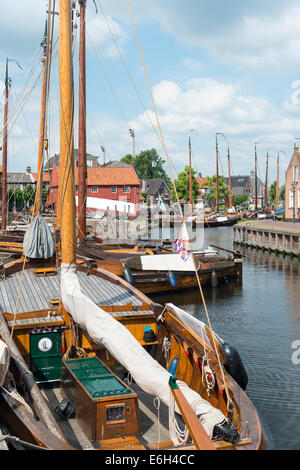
(127, 274)
(172, 279)
(234, 365)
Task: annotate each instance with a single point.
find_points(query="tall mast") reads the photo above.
(229, 179)
(217, 171)
(266, 182)
(42, 124)
(277, 184)
(255, 182)
(66, 176)
(4, 153)
(82, 170)
(190, 168)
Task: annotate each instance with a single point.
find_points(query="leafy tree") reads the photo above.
(239, 199)
(282, 193)
(212, 194)
(128, 159)
(272, 193)
(24, 197)
(182, 184)
(148, 165)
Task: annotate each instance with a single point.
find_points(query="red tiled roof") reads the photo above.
(201, 182)
(109, 176)
(46, 176)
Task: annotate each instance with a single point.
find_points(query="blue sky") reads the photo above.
(229, 67)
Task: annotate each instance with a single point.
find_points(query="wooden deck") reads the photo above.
(37, 292)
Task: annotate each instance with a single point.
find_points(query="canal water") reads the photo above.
(260, 316)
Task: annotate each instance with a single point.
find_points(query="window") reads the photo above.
(295, 174)
(298, 198)
(76, 189)
(126, 189)
(291, 199)
(114, 189)
(94, 189)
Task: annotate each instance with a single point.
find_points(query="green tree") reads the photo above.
(24, 197)
(212, 194)
(272, 193)
(239, 199)
(282, 193)
(182, 184)
(128, 159)
(148, 165)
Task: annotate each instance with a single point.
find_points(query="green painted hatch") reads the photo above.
(97, 379)
(45, 356)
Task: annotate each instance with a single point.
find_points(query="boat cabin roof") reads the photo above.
(37, 292)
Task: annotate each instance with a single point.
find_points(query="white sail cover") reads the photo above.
(146, 371)
(3, 360)
(38, 241)
(166, 262)
(3, 353)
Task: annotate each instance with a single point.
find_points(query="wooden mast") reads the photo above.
(66, 174)
(42, 126)
(82, 170)
(217, 171)
(277, 184)
(190, 166)
(266, 182)
(229, 179)
(255, 182)
(4, 154)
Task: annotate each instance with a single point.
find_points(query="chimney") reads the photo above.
(28, 170)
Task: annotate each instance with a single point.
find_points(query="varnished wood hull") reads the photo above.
(157, 282)
(182, 339)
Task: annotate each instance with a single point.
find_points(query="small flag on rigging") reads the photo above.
(182, 243)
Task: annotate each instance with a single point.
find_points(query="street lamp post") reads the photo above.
(255, 168)
(103, 150)
(131, 132)
(294, 198)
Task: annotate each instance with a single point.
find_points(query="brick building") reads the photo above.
(116, 188)
(292, 188)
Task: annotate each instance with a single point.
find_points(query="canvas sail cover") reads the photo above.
(3, 361)
(38, 241)
(116, 338)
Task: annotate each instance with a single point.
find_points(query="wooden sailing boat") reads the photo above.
(221, 219)
(142, 266)
(11, 241)
(49, 339)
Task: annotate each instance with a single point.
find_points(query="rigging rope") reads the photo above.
(229, 400)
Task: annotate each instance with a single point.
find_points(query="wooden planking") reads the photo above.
(36, 321)
(36, 292)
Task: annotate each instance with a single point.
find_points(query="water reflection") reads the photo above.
(260, 317)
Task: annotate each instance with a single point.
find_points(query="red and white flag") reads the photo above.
(182, 243)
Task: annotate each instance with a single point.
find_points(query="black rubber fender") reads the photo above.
(127, 274)
(234, 365)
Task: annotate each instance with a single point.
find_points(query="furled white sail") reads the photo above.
(147, 373)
